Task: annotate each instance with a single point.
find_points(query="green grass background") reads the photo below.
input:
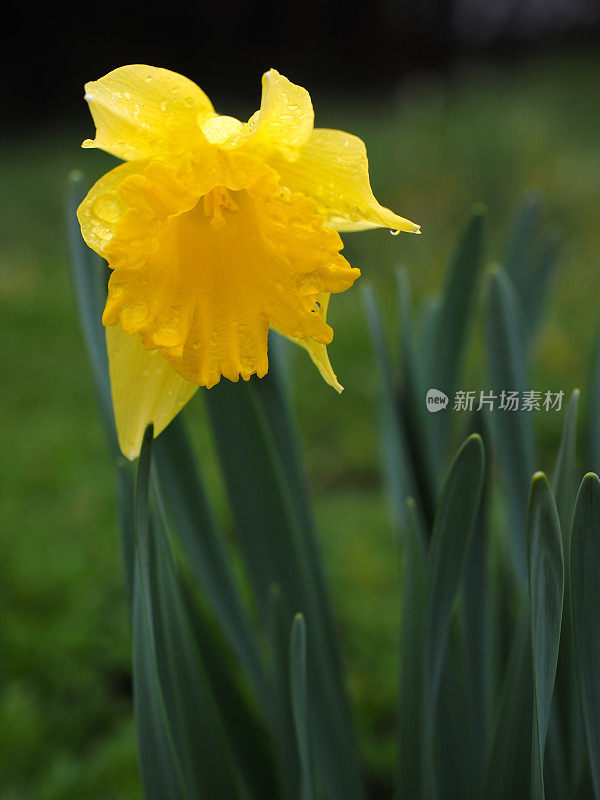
(484, 134)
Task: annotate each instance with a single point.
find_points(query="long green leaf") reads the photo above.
(278, 630)
(478, 628)
(564, 489)
(398, 469)
(410, 701)
(518, 257)
(298, 692)
(508, 771)
(454, 318)
(546, 586)
(411, 405)
(203, 542)
(512, 430)
(593, 417)
(538, 285)
(274, 406)
(563, 479)
(182, 743)
(585, 609)
(243, 721)
(274, 546)
(453, 528)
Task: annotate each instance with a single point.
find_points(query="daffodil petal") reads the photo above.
(136, 198)
(282, 125)
(206, 284)
(333, 169)
(318, 351)
(145, 389)
(286, 117)
(143, 111)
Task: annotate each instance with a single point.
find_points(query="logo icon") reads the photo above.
(436, 400)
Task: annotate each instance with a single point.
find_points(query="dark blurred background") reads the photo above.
(458, 102)
(338, 47)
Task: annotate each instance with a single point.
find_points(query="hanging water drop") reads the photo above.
(394, 232)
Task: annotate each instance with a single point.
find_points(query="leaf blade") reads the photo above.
(585, 610)
(545, 567)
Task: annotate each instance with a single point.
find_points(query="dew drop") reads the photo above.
(394, 232)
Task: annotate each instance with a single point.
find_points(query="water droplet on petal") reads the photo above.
(394, 232)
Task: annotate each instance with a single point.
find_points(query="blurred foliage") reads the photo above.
(65, 697)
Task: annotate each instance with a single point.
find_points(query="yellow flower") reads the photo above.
(216, 230)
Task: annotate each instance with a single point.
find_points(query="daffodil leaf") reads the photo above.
(412, 405)
(453, 528)
(511, 429)
(585, 610)
(278, 630)
(563, 479)
(243, 720)
(182, 743)
(453, 319)
(125, 495)
(426, 332)
(478, 629)
(540, 279)
(508, 771)
(518, 255)
(593, 417)
(204, 545)
(410, 699)
(530, 260)
(271, 395)
(398, 471)
(276, 549)
(298, 690)
(545, 567)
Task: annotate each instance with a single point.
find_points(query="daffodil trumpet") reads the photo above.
(216, 230)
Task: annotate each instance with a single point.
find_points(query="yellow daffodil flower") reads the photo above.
(216, 230)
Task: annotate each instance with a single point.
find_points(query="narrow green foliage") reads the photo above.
(537, 287)
(512, 432)
(585, 609)
(204, 544)
(398, 469)
(546, 585)
(519, 255)
(454, 523)
(170, 680)
(565, 470)
(298, 690)
(276, 546)
(593, 417)
(454, 318)
(477, 633)
(278, 630)
(508, 771)
(410, 701)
